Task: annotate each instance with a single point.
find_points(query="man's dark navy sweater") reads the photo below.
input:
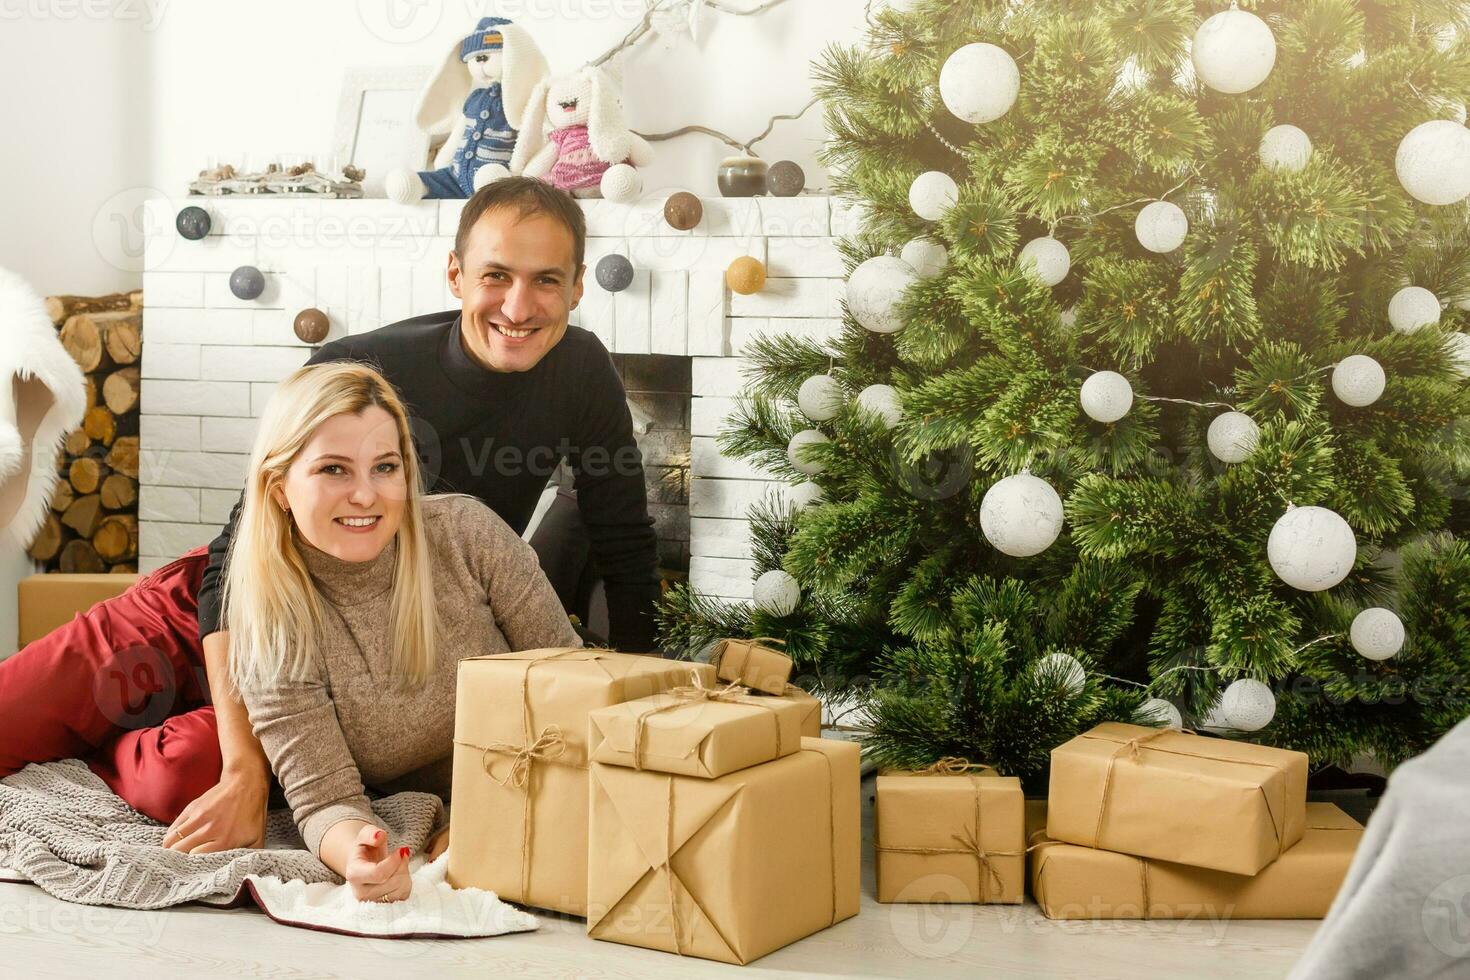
(499, 435)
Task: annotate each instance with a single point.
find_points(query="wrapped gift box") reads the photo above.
(751, 665)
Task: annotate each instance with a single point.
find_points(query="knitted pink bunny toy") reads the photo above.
(587, 135)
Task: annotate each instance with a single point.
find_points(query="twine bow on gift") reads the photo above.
(696, 690)
(547, 746)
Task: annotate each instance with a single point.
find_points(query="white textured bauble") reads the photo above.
(1065, 666)
(1248, 705)
(1232, 437)
(979, 83)
(1285, 148)
(1106, 396)
(804, 495)
(1358, 380)
(1158, 713)
(1161, 226)
(1233, 51)
(928, 258)
(932, 193)
(882, 401)
(1048, 258)
(1433, 162)
(776, 593)
(1411, 308)
(794, 453)
(1021, 515)
(1458, 345)
(621, 183)
(1377, 633)
(874, 289)
(819, 397)
(1311, 548)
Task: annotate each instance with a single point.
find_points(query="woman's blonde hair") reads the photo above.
(272, 608)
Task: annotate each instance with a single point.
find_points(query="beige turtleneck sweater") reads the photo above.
(347, 726)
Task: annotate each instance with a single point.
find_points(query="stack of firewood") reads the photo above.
(93, 526)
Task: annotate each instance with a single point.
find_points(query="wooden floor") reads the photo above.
(42, 937)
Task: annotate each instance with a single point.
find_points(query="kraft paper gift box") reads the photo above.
(748, 663)
(1072, 882)
(949, 836)
(746, 863)
(518, 826)
(1175, 796)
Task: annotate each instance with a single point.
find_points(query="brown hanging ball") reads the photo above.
(785, 178)
(683, 210)
(312, 325)
(746, 275)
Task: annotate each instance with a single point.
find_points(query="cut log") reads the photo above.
(90, 384)
(124, 339)
(77, 440)
(80, 556)
(87, 337)
(100, 424)
(119, 492)
(47, 544)
(120, 390)
(125, 568)
(86, 474)
(124, 456)
(60, 308)
(62, 496)
(83, 515)
(116, 538)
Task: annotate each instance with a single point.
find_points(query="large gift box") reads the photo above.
(751, 665)
(1175, 796)
(1072, 882)
(950, 836)
(726, 869)
(518, 826)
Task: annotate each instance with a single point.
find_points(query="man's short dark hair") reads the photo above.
(526, 196)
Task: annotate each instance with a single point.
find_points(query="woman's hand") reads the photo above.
(437, 845)
(374, 874)
(229, 814)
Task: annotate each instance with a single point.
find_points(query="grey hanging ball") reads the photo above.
(785, 178)
(614, 273)
(247, 282)
(192, 223)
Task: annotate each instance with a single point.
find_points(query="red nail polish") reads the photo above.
(378, 839)
(404, 852)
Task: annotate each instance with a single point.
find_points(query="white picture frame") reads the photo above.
(375, 127)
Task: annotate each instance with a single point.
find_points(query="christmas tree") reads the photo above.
(1150, 402)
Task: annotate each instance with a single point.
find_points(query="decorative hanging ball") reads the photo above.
(247, 282)
(1247, 705)
(746, 275)
(805, 494)
(819, 397)
(928, 258)
(785, 178)
(1433, 162)
(882, 401)
(874, 290)
(776, 592)
(1021, 515)
(683, 211)
(1233, 51)
(1458, 345)
(1232, 437)
(1158, 713)
(621, 183)
(1061, 667)
(932, 193)
(1285, 148)
(1311, 548)
(1106, 396)
(979, 82)
(311, 325)
(1377, 633)
(614, 272)
(1048, 258)
(741, 176)
(192, 223)
(1161, 226)
(1413, 307)
(1358, 380)
(799, 459)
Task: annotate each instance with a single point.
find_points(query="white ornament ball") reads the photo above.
(1021, 515)
(1358, 380)
(882, 401)
(928, 258)
(1233, 51)
(874, 289)
(804, 495)
(1311, 548)
(1377, 633)
(1106, 396)
(932, 193)
(1413, 307)
(1232, 437)
(1065, 666)
(1161, 226)
(1248, 705)
(776, 593)
(819, 397)
(1048, 258)
(1458, 344)
(1158, 713)
(621, 183)
(1433, 162)
(798, 443)
(979, 82)
(1285, 148)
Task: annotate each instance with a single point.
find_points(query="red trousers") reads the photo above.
(123, 687)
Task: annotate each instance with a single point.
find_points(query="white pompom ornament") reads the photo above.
(1158, 713)
(1048, 258)
(1311, 548)
(1065, 666)
(776, 593)
(1021, 515)
(1433, 162)
(798, 458)
(874, 290)
(819, 397)
(621, 183)
(1106, 396)
(928, 258)
(1247, 705)
(979, 83)
(1411, 308)
(804, 495)
(882, 401)
(1358, 380)
(1285, 148)
(932, 193)
(1377, 633)
(1161, 226)
(1232, 437)
(1233, 51)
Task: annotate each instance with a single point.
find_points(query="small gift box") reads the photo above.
(747, 663)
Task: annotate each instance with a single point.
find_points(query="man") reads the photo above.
(500, 390)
